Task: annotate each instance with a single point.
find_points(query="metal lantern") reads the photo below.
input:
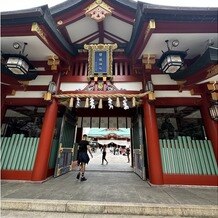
(52, 87)
(149, 86)
(18, 64)
(171, 61)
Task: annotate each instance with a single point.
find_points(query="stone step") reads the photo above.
(93, 207)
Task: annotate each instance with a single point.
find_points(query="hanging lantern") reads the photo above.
(171, 61)
(52, 87)
(18, 65)
(149, 87)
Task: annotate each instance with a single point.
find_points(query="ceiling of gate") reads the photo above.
(65, 28)
(104, 122)
(113, 22)
(139, 29)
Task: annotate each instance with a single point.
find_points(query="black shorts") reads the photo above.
(83, 157)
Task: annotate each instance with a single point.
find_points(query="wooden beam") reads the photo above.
(71, 79)
(68, 18)
(143, 40)
(101, 31)
(168, 102)
(25, 102)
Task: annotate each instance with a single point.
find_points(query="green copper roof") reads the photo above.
(101, 132)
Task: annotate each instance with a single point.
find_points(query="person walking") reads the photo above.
(127, 153)
(104, 155)
(83, 157)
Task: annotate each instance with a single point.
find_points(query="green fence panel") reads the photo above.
(171, 156)
(183, 155)
(12, 153)
(16, 151)
(164, 154)
(164, 157)
(24, 153)
(166, 163)
(167, 157)
(205, 157)
(20, 155)
(200, 151)
(197, 158)
(188, 156)
(3, 144)
(29, 140)
(4, 150)
(179, 157)
(213, 157)
(26, 163)
(34, 148)
(8, 152)
(208, 154)
(175, 156)
(192, 155)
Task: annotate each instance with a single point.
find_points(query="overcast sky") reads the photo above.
(11, 5)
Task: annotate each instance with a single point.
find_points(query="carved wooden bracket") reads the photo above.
(98, 10)
(148, 60)
(53, 61)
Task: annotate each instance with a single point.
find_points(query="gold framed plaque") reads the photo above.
(100, 60)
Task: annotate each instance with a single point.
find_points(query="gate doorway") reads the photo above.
(115, 122)
(116, 143)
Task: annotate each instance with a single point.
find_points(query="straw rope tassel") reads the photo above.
(87, 103)
(100, 106)
(117, 102)
(71, 102)
(133, 102)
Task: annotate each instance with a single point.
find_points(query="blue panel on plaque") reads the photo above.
(101, 62)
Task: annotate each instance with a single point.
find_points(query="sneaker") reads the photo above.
(78, 175)
(83, 179)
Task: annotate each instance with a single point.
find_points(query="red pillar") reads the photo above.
(154, 155)
(4, 92)
(43, 153)
(211, 126)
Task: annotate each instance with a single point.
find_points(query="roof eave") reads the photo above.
(199, 14)
(41, 15)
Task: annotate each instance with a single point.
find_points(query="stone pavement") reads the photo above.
(110, 189)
